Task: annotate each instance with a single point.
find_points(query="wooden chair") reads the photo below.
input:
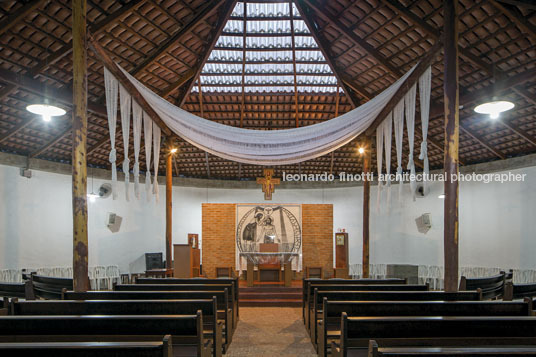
(314, 273)
(224, 272)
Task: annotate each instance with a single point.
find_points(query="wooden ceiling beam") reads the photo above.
(515, 16)
(18, 15)
(323, 44)
(226, 10)
(244, 45)
(206, 10)
(482, 141)
(529, 4)
(51, 143)
(352, 36)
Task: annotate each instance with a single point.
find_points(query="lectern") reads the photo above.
(186, 261)
(341, 255)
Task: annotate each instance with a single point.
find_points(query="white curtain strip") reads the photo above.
(111, 90)
(156, 159)
(409, 100)
(268, 147)
(398, 118)
(136, 129)
(379, 157)
(425, 85)
(148, 135)
(126, 101)
(387, 141)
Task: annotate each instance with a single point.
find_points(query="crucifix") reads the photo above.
(268, 183)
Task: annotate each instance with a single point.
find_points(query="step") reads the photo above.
(276, 289)
(269, 296)
(270, 303)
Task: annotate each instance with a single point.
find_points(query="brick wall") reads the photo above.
(218, 235)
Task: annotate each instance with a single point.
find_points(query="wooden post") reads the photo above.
(452, 125)
(169, 199)
(79, 158)
(366, 205)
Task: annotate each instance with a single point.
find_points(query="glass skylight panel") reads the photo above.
(269, 53)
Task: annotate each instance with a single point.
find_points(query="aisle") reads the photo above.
(270, 331)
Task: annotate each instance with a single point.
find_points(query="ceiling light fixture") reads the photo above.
(494, 108)
(92, 196)
(441, 196)
(47, 111)
(173, 150)
(361, 150)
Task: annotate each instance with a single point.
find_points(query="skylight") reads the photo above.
(269, 58)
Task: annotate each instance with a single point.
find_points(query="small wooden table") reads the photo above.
(255, 256)
(159, 273)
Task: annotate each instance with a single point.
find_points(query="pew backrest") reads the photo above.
(50, 287)
(492, 287)
(519, 291)
(20, 290)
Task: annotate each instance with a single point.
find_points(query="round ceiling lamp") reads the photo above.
(47, 111)
(494, 108)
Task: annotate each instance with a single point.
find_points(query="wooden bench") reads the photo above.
(224, 311)
(356, 332)
(518, 291)
(355, 287)
(306, 282)
(200, 281)
(208, 307)
(328, 327)
(19, 290)
(186, 330)
(46, 287)
(186, 287)
(376, 351)
(492, 287)
(89, 349)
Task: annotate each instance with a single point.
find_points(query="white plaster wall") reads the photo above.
(497, 225)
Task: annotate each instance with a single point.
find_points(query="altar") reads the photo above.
(269, 261)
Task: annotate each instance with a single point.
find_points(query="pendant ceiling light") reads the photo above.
(494, 108)
(46, 110)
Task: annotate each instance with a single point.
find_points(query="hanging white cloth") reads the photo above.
(425, 84)
(111, 90)
(126, 101)
(379, 157)
(136, 129)
(387, 141)
(148, 134)
(156, 159)
(409, 100)
(398, 119)
(268, 147)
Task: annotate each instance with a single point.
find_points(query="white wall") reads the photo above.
(497, 225)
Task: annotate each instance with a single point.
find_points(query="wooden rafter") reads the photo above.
(482, 141)
(352, 36)
(51, 143)
(323, 44)
(293, 45)
(516, 17)
(227, 7)
(244, 44)
(206, 10)
(18, 15)
(529, 4)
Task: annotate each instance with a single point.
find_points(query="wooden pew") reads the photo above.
(376, 351)
(355, 287)
(46, 287)
(432, 331)
(518, 291)
(316, 281)
(185, 287)
(200, 281)
(208, 307)
(89, 349)
(224, 311)
(318, 298)
(328, 326)
(492, 287)
(187, 330)
(19, 290)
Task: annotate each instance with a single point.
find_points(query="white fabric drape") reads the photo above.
(387, 140)
(136, 129)
(126, 101)
(272, 147)
(425, 84)
(156, 159)
(379, 157)
(398, 118)
(409, 101)
(111, 90)
(148, 134)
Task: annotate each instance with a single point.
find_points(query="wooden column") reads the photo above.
(452, 125)
(169, 199)
(79, 158)
(366, 205)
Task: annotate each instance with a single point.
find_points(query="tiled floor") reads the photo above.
(270, 331)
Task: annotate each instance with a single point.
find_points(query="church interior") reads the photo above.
(267, 177)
